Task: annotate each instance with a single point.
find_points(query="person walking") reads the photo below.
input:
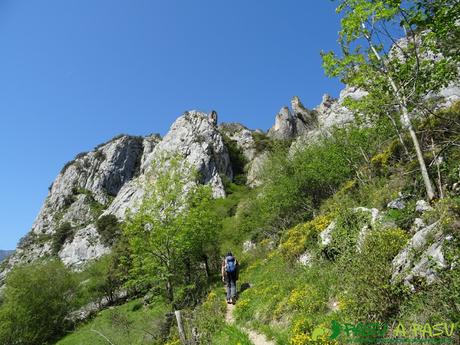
(229, 272)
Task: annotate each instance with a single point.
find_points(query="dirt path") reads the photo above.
(256, 338)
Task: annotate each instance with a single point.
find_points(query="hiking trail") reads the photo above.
(255, 337)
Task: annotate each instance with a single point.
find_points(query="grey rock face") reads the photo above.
(91, 180)
(397, 204)
(101, 172)
(255, 168)
(326, 234)
(289, 125)
(305, 120)
(284, 127)
(243, 138)
(422, 206)
(421, 257)
(111, 177)
(248, 246)
(84, 247)
(194, 136)
(305, 259)
(332, 112)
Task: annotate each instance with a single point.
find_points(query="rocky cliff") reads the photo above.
(109, 179)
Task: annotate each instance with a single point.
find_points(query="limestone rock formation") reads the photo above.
(284, 127)
(421, 257)
(109, 180)
(194, 136)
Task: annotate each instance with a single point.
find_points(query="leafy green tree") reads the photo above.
(173, 230)
(108, 228)
(37, 299)
(104, 278)
(395, 73)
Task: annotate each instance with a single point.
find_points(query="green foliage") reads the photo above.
(37, 300)
(295, 184)
(403, 218)
(124, 324)
(172, 233)
(370, 295)
(262, 142)
(210, 317)
(109, 229)
(296, 240)
(237, 159)
(103, 279)
(231, 334)
(345, 234)
(62, 234)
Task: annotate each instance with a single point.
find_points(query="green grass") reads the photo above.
(125, 324)
(231, 335)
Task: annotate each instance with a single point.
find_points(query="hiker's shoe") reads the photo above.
(233, 300)
(229, 301)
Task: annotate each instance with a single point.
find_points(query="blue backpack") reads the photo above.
(230, 264)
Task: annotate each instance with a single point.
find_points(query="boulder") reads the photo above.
(421, 257)
(422, 206)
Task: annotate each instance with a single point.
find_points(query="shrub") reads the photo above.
(62, 234)
(367, 278)
(262, 142)
(108, 227)
(38, 298)
(295, 241)
(345, 235)
(237, 159)
(210, 317)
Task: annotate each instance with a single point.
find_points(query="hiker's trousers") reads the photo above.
(231, 285)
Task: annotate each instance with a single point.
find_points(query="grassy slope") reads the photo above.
(115, 322)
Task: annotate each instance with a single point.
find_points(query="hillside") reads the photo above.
(344, 219)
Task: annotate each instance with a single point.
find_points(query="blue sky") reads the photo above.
(75, 73)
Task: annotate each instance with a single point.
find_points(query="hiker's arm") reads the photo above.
(222, 273)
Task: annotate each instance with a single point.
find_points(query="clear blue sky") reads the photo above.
(75, 73)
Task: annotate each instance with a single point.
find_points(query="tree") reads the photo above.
(38, 298)
(169, 234)
(395, 72)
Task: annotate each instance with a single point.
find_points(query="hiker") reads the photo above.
(229, 273)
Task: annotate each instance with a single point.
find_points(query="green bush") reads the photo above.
(37, 299)
(108, 227)
(237, 160)
(345, 234)
(366, 278)
(63, 233)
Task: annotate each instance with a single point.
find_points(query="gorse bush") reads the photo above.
(296, 240)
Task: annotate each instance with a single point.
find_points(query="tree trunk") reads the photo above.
(406, 122)
(426, 178)
(180, 326)
(400, 138)
(206, 266)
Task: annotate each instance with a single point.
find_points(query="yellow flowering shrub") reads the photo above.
(305, 299)
(304, 333)
(296, 239)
